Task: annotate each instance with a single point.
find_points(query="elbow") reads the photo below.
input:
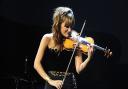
(78, 71)
(35, 65)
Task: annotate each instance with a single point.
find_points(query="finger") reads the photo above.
(74, 44)
(80, 49)
(59, 84)
(110, 53)
(58, 87)
(92, 49)
(56, 84)
(88, 46)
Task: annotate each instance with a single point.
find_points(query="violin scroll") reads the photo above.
(107, 52)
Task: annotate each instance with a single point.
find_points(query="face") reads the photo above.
(65, 30)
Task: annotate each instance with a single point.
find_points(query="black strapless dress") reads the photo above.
(55, 63)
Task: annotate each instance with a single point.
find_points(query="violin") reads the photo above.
(83, 44)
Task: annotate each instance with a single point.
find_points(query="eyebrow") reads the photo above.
(68, 23)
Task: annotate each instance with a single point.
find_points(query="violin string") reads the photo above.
(73, 53)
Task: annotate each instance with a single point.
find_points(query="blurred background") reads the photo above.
(24, 22)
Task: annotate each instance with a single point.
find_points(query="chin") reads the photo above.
(67, 36)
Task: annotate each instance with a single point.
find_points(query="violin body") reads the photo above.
(69, 44)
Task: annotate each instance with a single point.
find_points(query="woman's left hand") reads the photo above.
(90, 50)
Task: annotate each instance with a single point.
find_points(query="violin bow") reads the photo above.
(73, 52)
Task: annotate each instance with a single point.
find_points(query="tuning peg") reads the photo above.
(109, 53)
(105, 51)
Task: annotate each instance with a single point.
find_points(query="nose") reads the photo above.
(69, 29)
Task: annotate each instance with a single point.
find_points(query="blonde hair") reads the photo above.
(60, 15)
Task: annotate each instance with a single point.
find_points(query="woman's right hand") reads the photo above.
(56, 83)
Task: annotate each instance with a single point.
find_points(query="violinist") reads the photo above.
(52, 57)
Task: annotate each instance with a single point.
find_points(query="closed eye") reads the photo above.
(67, 26)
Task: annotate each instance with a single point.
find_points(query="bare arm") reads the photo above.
(39, 68)
(37, 63)
(80, 64)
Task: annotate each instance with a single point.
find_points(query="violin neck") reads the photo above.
(98, 47)
(84, 41)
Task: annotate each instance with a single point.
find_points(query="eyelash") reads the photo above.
(67, 26)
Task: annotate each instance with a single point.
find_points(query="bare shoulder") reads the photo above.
(47, 37)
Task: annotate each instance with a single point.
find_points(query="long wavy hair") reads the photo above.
(61, 14)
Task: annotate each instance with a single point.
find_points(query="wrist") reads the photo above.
(47, 79)
(89, 57)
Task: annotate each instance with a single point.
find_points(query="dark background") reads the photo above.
(24, 22)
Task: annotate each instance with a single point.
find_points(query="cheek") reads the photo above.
(63, 30)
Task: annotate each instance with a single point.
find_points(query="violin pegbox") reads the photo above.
(107, 52)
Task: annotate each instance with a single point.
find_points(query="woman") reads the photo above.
(52, 58)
